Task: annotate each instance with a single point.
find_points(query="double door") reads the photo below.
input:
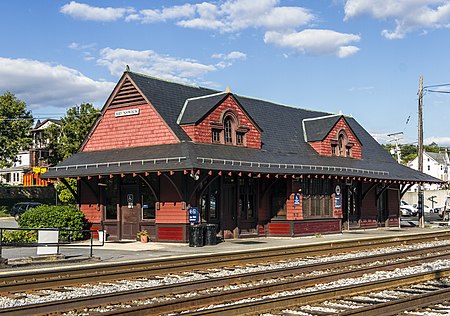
(238, 211)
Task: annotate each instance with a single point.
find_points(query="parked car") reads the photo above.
(426, 208)
(19, 208)
(405, 212)
(407, 209)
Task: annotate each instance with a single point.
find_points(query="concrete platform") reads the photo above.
(133, 250)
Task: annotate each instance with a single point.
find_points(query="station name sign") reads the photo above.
(126, 112)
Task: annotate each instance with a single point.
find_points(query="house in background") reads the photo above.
(434, 164)
(15, 174)
(30, 163)
(39, 153)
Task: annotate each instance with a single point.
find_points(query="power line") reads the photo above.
(437, 91)
(437, 85)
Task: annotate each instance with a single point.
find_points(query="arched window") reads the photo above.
(342, 147)
(228, 129)
(342, 142)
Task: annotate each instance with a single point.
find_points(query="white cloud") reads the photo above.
(42, 84)
(441, 141)
(78, 46)
(242, 14)
(229, 16)
(231, 56)
(408, 15)
(172, 13)
(86, 12)
(315, 42)
(280, 23)
(151, 63)
(381, 138)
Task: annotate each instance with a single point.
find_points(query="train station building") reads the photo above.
(252, 167)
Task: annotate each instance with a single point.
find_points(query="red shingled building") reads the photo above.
(252, 167)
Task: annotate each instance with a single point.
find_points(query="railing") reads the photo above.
(64, 237)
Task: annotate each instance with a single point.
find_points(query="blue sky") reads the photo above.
(361, 57)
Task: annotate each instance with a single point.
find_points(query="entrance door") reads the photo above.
(228, 210)
(247, 207)
(350, 213)
(382, 209)
(130, 209)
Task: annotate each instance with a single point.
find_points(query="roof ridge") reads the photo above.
(280, 104)
(322, 117)
(169, 81)
(235, 94)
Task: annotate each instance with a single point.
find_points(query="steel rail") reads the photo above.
(173, 289)
(68, 275)
(400, 305)
(267, 305)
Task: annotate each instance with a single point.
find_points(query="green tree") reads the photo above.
(64, 195)
(65, 140)
(432, 148)
(15, 124)
(408, 152)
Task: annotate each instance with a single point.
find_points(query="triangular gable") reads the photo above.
(45, 124)
(195, 110)
(128, 119)
(127, 95)
(332, 136)
(319, 128)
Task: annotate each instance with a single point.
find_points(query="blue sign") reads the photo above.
(193, 215)
(296, 199)
(337, 201)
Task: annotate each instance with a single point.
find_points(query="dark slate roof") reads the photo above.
(316, 129)
(168, 98)
(39, 123)
(284, 149)
(195, 109)
(439, 157)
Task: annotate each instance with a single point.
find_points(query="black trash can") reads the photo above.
(196, 235)
(210, 234)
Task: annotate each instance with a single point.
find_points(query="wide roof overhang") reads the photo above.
(201, 158)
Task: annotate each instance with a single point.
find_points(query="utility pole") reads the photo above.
(396, 151)
(420, 154)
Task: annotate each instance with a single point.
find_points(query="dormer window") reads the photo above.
(228, 131)
(219, 119)
(341, 147)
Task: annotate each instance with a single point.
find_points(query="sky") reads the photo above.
(360, 57)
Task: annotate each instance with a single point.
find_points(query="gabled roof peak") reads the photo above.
(340, 114)
(206, 107)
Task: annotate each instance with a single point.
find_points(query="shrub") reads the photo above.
(22, 236)
(4, 212)
(49, 216)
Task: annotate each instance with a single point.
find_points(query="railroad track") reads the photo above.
(70, 275)
(287, 279)
(413, 292)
